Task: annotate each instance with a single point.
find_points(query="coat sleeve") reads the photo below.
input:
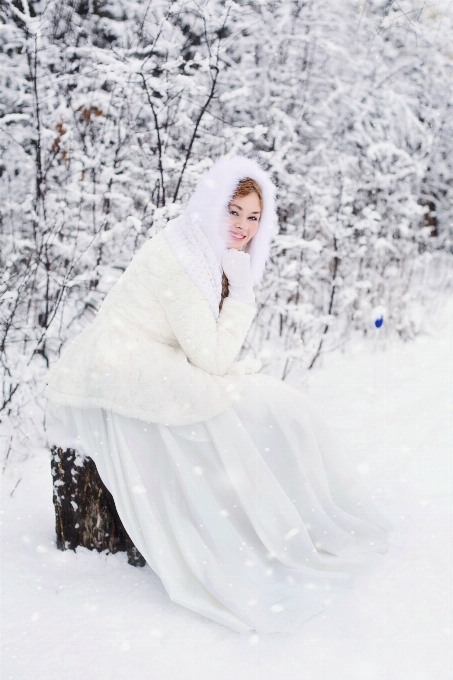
(210, 344)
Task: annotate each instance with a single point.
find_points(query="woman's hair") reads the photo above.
(247, 186)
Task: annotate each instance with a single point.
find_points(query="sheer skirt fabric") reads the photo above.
(252, 518)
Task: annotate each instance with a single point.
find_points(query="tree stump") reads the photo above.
(85, 512)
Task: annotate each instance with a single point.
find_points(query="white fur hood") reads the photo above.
(198, 237)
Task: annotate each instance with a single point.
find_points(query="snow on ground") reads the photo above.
(68, 616)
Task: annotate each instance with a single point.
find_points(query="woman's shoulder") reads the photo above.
(144, 272)
(153, 261)
(155, 253)
(156, 245)
(154, 266)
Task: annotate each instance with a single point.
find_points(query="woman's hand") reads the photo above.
(236, 266)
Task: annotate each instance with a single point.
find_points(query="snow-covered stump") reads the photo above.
(85, 512)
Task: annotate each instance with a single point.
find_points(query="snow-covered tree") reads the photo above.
(111, 111)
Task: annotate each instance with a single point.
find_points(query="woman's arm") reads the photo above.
(210, 344)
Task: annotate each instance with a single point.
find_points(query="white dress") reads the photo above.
(250, 518)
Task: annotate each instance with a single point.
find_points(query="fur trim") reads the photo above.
(208, 206)
(208, 209)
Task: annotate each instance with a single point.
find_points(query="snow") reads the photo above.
(347, 104)
(71, 615)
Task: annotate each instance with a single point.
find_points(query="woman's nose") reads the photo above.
(239, 222)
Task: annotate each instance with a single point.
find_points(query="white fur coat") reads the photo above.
(157, 350)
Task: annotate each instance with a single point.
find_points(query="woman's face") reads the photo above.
(244, 218)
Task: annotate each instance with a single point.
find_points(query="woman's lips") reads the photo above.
(237, 237)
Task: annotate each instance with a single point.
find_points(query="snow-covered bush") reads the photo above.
(112, 110)
(354, 119)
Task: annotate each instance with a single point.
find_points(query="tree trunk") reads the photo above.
(85, 512)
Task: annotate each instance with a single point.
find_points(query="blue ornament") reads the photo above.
(378, 322)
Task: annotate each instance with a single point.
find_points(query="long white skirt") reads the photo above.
(251, 518)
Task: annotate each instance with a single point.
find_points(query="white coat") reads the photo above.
(158, 350)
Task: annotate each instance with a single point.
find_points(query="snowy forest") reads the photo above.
(111, 110)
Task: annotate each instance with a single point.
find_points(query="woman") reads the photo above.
(219, 474)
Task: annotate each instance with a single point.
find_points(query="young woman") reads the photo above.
(220, 474)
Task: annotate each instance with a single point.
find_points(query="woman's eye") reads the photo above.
(233, 212)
